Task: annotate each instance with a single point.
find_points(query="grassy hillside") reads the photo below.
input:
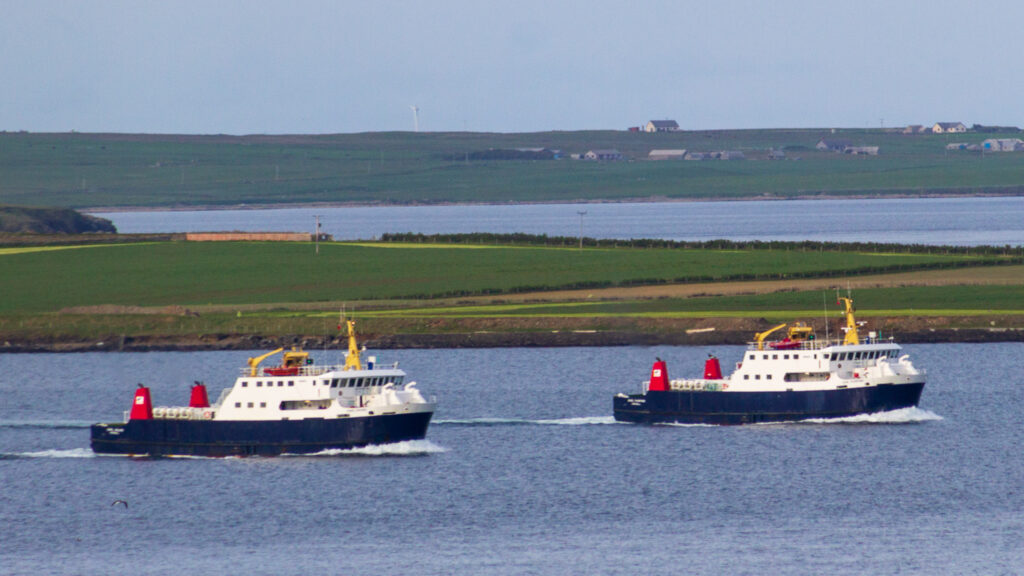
(21, 219)
(90, 170)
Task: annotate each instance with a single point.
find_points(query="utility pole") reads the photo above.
(582, 214)
(316, 240)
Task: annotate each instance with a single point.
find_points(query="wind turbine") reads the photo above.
(416, 116)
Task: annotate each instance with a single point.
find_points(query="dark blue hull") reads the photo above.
(168, 437)
(753, 407)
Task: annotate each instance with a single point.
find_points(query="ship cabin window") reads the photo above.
(746, 376)
(757, 376)
(785, 356)
(775, 356)
(751, 357)
(249, 405)
(238, 404)
(263, 404)
(280, 383)
(259, 383)
(245, 384)
(291, 383)
(765, 357)
(768, 377)
(824, 356)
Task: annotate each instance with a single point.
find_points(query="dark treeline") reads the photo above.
(521, 239)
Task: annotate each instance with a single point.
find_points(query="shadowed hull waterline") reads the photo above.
(167, 437)
(701, 407)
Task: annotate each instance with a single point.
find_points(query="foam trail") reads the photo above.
(71, 453)
(911, 415)
(52, 424)
(406, 448)
(577, 421)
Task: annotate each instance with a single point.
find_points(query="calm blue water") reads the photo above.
(523, 472)
(951, 221)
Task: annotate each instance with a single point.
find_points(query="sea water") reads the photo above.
(938, 221)
(523, 471)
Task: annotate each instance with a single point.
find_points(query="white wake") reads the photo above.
(406, 448)
(70, 453)
(911, 415)
(577, 421)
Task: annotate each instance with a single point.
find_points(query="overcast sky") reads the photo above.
(258, 66)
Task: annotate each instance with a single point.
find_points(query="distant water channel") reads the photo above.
(524, 471)
(937, 221)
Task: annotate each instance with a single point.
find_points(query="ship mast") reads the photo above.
(851, 323)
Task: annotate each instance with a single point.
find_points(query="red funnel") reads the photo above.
(659, 377)
(142, 406)
(199, 398)
(712, 369)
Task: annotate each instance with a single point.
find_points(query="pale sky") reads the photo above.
(260, 66)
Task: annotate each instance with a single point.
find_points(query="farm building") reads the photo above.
(254, 237)
(608, 154)
(1002, 145)
(661, 126)
(948, 128)
(666, 154)
(861, 150)
(833, 145)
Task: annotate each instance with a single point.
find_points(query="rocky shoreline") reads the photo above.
(215, 342)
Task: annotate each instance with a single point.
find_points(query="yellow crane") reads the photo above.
(760, 336)
(254, 363)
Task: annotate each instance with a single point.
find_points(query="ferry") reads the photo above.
(297, 407)
(796, 378)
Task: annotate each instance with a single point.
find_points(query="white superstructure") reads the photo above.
(298, 389)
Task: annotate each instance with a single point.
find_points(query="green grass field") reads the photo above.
(89, 170)
(190, 274)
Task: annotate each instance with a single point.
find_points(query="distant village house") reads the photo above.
(949, 128)
(833, 145)
(608, 154)
(661, 126)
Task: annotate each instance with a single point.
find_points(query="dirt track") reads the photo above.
(996, 275)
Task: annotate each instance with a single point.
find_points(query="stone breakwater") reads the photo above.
(483, 339)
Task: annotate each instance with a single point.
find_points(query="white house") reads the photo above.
(948, 128)
(661, 126)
